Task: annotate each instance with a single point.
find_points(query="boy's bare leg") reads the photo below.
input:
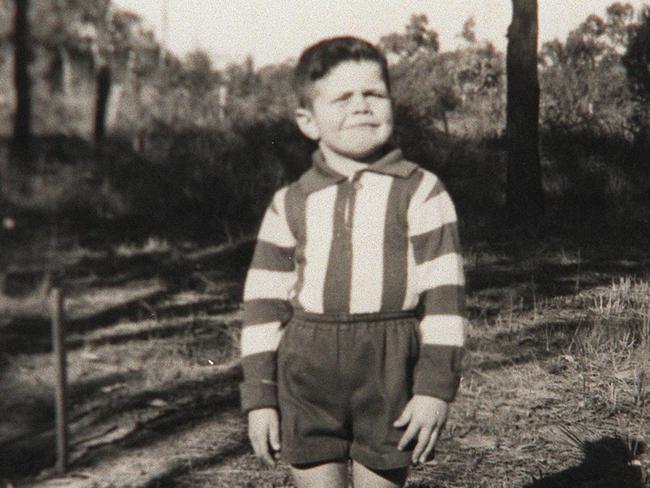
(367, 478)
(327, 475)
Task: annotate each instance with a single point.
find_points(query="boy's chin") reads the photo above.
(373, 155)
(365, 155)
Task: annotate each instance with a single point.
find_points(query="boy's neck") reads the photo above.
(342, 164)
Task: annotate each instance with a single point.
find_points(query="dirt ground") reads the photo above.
(555, 391)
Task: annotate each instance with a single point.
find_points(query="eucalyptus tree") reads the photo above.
(21, 142)
(524, 196)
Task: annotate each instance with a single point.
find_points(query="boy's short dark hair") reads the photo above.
(319, 59)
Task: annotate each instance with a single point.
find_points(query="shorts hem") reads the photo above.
(312, 456)
(381, 462)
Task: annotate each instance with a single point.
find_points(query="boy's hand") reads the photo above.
(425, 417)
(264, 433)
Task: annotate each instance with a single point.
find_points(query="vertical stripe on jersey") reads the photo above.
(396, 244)
(319, 217)
(411, 296)
(415, 197)
(368, 242)
(337, 281)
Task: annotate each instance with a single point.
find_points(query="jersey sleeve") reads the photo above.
(433, 233)
(269, 283)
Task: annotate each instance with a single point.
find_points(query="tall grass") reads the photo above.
(616, 346)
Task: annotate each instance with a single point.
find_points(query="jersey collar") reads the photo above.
(321, 175)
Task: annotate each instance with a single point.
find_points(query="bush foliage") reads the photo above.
(195, 147)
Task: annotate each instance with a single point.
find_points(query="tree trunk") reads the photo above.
(21, 143)
(101, 102)
(524, 195)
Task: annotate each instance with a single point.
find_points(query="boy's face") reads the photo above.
(351, 111)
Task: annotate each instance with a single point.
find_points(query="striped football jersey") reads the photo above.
(383, 240)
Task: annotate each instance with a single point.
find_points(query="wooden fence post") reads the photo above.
(59, 357)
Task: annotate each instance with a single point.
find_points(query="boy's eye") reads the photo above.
(343, 98)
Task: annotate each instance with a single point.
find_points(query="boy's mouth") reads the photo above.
(364, 124)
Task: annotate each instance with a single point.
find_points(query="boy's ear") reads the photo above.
(307, 124)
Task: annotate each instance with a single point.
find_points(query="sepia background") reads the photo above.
(140, 143)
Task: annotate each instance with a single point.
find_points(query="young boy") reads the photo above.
(353, 305)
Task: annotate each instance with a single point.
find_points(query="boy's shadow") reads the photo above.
(608, 462)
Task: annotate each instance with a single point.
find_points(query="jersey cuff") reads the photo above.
(438, 371)
(258, 395)
(437, 385)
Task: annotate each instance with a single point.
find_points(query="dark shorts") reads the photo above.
(342, 382)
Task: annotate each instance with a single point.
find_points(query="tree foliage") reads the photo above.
(637, 65)
(468, 33)
(583, 83)
(637, 57)
(619, 25)
(417, 38)
(443, 90)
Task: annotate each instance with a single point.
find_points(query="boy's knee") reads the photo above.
(331, 474)
(366, 477)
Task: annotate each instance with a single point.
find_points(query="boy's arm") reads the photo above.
(268, 286)
(433, 232)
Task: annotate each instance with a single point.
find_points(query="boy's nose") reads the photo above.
(359, 103)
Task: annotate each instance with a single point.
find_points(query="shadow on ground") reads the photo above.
(187, 403)
(608, 462)
(542, 341)
(521, 275)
